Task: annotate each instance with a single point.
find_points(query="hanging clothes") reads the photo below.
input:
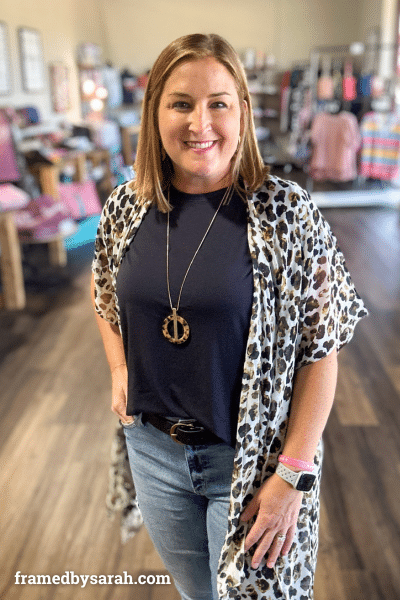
(285, 101)
(380, 152)
(349, 83)
(365, 86)
(128, 80)
(325, 86)
(337, 80)
(336, 140)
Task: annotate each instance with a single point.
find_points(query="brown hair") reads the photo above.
(154, 170)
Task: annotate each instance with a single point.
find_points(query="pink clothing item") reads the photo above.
(349, 83)
(325, 89)
(12, 197)
(336, 140)
(380, 145)
(349, 88)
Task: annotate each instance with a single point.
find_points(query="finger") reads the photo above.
(289, 540)
(260, 527)
(263, 547)
(275, 549)
(120, 410)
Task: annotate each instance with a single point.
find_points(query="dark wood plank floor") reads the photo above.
(56, 427)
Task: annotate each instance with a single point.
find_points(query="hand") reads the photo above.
(119, 393)
(277, 505)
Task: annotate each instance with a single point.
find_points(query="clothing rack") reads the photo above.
(365, 60)
(367, 53)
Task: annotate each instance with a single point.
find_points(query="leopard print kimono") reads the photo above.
(304, 304)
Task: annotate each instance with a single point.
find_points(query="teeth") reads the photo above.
(200, 145)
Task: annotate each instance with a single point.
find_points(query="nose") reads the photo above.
(200, 120)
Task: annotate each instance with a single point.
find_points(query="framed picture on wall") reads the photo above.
(31, 53)
(59, 83)
(5, 68)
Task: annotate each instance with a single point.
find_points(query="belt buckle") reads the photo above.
(175, 426)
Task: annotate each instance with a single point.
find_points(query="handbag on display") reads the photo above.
(43, 219)
(80, 199)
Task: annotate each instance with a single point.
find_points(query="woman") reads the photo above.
(222, 300)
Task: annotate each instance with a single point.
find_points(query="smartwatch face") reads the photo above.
(306, 482)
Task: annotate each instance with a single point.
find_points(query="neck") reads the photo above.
(198, 186)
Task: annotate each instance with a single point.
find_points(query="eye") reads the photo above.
(218, 104)
(181, 105)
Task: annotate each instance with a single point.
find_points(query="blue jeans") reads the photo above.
(183, 494)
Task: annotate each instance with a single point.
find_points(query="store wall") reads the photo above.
(63, 25)
(132, 32)
(369, 16)
(137, 31)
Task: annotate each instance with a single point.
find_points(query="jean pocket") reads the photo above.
(129, 425)
(137, 422)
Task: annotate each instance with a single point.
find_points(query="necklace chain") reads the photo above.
(225, 197)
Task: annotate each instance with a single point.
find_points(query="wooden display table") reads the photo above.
(49, 175)
(12, 277)
(11, 272)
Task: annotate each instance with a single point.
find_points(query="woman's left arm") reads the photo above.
(277, 503)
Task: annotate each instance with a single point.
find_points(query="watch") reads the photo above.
(301, 481)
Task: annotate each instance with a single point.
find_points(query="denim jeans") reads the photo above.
(183, 494)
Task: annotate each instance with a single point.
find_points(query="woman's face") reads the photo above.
(199, 119)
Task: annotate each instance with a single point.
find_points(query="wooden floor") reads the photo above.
(55, 431)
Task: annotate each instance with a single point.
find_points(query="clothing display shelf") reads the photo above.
(265, 97)
(37, 130)
(264, 88)
(48, 176)
(129, 138)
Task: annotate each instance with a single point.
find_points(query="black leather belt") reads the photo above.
(183, 431)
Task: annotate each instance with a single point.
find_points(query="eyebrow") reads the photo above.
(183, 95)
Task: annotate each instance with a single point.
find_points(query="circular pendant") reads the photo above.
(180, 328)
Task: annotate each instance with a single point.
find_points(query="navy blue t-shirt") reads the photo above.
(200, 378)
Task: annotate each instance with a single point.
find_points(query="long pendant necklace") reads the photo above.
(180, 328)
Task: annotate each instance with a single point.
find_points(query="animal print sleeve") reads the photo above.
(102, 268)
(331, 306)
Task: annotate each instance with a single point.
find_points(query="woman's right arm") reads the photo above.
(115, 354)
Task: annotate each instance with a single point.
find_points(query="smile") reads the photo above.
(201, 145)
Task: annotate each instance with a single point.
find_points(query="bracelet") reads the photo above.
(297, 464)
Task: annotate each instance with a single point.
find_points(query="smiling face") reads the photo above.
(199, 120)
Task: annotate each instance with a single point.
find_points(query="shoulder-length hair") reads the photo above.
(153, 168)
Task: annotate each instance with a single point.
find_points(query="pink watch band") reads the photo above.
(297, 464)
